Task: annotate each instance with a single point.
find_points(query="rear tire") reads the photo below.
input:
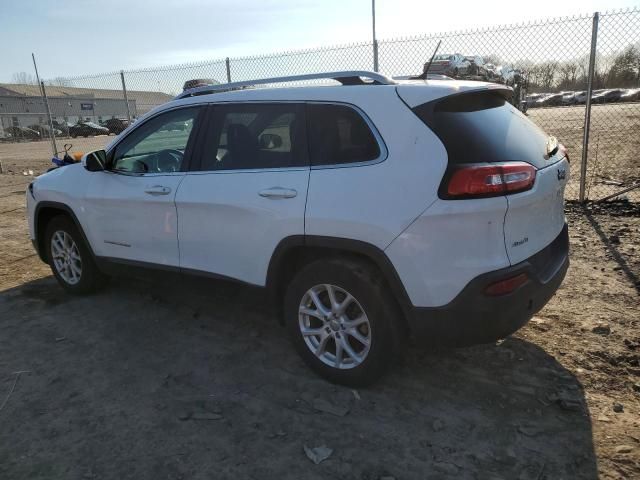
(69, 257)
(352, 342)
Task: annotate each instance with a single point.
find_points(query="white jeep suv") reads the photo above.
(370, 210)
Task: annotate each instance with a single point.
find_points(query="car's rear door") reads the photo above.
(131, 212)
(248, 191)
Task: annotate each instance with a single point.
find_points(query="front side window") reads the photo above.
(252, 136)
(157, 146)
(338, 134)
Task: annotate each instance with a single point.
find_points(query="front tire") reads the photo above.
(69, 257)
(341, 320)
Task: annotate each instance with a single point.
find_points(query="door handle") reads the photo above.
(278, 192)
(158, 190)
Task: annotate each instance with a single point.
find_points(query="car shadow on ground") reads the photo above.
(192, 379)
(611, 243)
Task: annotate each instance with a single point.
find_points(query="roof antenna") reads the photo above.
(423, 75)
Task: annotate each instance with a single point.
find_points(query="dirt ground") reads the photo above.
(195, 379)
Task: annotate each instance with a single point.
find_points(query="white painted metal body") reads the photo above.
(221, 222)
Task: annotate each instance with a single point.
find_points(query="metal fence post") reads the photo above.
(51, 131)
(228, 63)
(375, 56)
(375, 40)
(126, 99)
(587, 113)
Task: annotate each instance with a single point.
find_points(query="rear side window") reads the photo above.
(255, 136)
(481, 127)
(338, 134)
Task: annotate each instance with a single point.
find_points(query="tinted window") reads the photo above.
(158, 145)
(483, 127)
(248, 136)
(338, 134)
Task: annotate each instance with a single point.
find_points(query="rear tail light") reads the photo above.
(491, 180)
(506, 286)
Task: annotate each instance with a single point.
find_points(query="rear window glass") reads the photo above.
(338, 134)
(481, 127)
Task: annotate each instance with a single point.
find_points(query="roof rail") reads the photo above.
(430, 76)
(349, 77)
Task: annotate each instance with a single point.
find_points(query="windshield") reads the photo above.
(442, 57)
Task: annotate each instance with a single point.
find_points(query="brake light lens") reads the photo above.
(509, 285)
(491, 180)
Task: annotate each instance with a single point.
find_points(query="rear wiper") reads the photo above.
(552, 146)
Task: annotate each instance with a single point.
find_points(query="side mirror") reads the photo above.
(95, 161)
(269, 141)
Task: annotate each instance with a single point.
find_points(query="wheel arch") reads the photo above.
(292, 253)
(44, 212)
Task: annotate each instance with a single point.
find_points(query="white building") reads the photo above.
(22, 105)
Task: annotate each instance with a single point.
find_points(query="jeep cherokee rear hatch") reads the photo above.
(494, 150)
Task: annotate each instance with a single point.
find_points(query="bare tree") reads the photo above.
(492, 58)
(24, 78)
(60, 82)
(603, 66)
(541, 76)
(568, 75)
(547, 72)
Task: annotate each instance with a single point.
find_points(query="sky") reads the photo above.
(79, 37)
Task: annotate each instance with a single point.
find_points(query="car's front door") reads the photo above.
(130, 206)
(248, 193)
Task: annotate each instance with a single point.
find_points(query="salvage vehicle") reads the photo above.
(45, 131)
(607, 96)
(630, 95)
(533, 97)
(63, 126)
(580, 97)
(87, 129)
(22, 133)
(371, 211)
(492, 72)
(116, 125)
(452, 65)
(568, 98)
(477, 66)
(550, 100)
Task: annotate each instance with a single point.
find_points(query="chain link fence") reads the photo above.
(552, 57)
(614, 145)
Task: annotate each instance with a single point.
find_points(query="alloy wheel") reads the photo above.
(66, 257)
(334, 326)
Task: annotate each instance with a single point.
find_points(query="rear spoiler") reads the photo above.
(502, 90)
(418, 92)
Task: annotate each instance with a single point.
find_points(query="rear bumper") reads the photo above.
(474, 317)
